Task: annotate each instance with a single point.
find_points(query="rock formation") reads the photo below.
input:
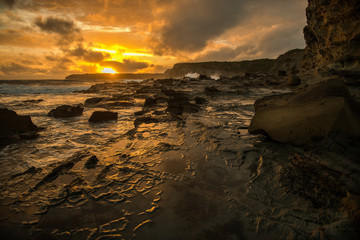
(14, 127)
(289, 62)
(66, 111)
(102, 116)
(332, 38)
(306, 114)
(221, 68)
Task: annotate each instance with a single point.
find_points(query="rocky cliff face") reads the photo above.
(221, 68)
(332, 37)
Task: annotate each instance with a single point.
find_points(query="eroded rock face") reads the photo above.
(306, 114)
(332, 37)
(14, 127)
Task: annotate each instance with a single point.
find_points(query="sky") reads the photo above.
(50, 39)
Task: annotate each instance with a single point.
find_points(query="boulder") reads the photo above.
(102, 116)
(14, 127)
(200, 100)
(95, 100)
(306, 114)
(65, 111)
(91, 162)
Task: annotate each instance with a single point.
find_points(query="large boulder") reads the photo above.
(65, 111)
(14, 127)
(306, 114)
(102, 116)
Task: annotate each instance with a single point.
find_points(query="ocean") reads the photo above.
(60, 138)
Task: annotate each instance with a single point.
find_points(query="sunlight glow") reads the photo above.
(108, 70)
(137, 54)
(103, 50)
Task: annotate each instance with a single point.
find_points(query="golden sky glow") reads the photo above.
(55, 38)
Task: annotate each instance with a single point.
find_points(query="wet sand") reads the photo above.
(189, 172)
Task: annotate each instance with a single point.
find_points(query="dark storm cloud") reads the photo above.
(282, 39)
(88, 55)
(227, 53)
(127, 65)
(7, 3)
(190, 24)
(56, 25)
(14, 67)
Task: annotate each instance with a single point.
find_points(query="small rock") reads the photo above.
(91, 101)
(204, 77)
(281, 73)
(140, 120)
(101, 116)
(200, 100)
(91, 162)
(65, 111)
(211, 90)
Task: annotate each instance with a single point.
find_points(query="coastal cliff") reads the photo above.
(332, 38)
(221, 68)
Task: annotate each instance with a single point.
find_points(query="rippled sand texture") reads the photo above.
(195, 175)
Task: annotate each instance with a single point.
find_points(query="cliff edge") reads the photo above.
(332, 38)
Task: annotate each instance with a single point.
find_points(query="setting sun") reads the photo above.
(108, 70)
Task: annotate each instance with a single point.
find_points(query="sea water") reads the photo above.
(60, 137)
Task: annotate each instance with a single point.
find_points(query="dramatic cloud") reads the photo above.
(190, 24)
(127, 65)
(80, 35)
(88, 55)
(56, 25)
(7, 3)
(19, 68)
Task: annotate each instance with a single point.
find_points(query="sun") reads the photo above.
(108, 70)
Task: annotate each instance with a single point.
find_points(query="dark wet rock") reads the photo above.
(66, 111)
(95, 88)
(117, 104)
(166, 81)
(30, 170)
(307, 114)
(91, 162)
(293, 80)
(102, 116)
(281, 73)
(200, 100)
(179, 105)
(14, 127)
(174, 94)
(62, 168)
(140, 120)
(33, 101)
(139, 113)
(313, 181)
(124, 97)
(211, 90)
(149, 103)
(91, 101)
(204, 77)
